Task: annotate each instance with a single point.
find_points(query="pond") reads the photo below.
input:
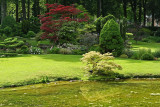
(84, 94)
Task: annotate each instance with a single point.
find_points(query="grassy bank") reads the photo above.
(30, 69)
(140, 45)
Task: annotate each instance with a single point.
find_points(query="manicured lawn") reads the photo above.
(19, 70)
(139, 44)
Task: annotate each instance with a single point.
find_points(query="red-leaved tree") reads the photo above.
(56, 17)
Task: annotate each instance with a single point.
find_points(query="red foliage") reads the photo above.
(54, 19)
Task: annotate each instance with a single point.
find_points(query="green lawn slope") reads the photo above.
(26, 69)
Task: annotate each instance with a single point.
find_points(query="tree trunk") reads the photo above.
(134, 8)
(144, 13)
(17, 10)
(153, 17)
(102, 8)
(3, 9)
(125, 8)
(64, 2)
(47, 2)
(99, 4)
(24, 9)
(28, 15)
(140, 12)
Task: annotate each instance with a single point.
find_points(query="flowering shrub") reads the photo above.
(58, 15)
(99, 64)
(35, 50)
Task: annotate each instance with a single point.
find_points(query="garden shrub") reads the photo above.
(23, 50)
(8, 21)
(8, 54)
(30, 34)
(138, 54)
(65, 51)
(77, 52)
(54, 50)
(128, 52)
(107, 18)
(110, 38)
(34, 24)
(7, 31)
(38, 35)
(35, 50)
(123, 56)
(95, 48)
(11, 43)
(72, 49)
(88, 39)
(157, 54)
(18, 30)
(99, 64)
(67, 33)
(147, 56)
(157, 33)
(25, 26)
(87, 28)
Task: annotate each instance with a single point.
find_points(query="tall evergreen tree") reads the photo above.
(3, 9)
(23, 9)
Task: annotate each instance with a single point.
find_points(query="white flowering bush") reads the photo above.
(99, 64)
(35, 50)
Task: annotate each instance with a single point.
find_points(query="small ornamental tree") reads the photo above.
(110, 38)
(57, 16)
(100, 64)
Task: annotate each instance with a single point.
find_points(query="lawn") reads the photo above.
(140, 45)
(20, 70)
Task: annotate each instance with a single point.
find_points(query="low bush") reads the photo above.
(65, 51)
(138, 54)
(128, 52)
(77, 52)
(147, 56)
(35, 50)
(8, 54)
(95, 48)
(53, 50)
(8, 21)
(100, 64)
(30, 34)
(23, 50)
(89, 39)
(123, 56)
(7, 31)
(157, 54)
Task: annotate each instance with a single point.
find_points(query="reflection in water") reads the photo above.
(79, 94)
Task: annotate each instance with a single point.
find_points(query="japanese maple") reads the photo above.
(53, 20)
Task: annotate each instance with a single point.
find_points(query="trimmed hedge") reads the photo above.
(8, 54)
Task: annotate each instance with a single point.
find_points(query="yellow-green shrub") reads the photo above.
(99, 64)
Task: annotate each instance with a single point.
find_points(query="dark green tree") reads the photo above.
(110, 38)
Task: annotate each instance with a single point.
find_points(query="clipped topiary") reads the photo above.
(30, 34)
(110, 38)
